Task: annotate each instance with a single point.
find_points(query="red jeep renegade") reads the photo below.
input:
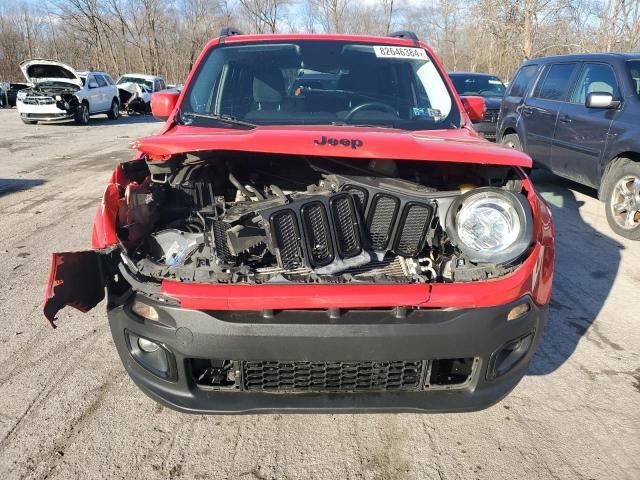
(318, 227)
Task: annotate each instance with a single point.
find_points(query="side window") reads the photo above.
(555, 82)
(108, 79)
(521, 81)
(101, 81)
(157, 86)
(595, 77)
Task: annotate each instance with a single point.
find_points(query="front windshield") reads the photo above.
(634, 73)
(138, 80)
(320, 83)
(482, 85)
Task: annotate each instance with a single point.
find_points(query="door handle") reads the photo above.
(565, 119)
(527, 112)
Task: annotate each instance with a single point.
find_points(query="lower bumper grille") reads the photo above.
(332, 376)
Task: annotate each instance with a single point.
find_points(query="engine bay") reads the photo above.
(62, 94)
(240, 217)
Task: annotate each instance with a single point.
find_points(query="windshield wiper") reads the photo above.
(226, 119)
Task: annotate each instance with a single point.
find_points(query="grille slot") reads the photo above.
(381, 218)
(285, 228)
(413, 229)
(332, 376)
(317, 234)
(344, 219)
(360, 197)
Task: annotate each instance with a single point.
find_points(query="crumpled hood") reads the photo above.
(136, 90)
(455, 145)
(39, 70)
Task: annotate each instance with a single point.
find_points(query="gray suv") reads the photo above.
(579, 117)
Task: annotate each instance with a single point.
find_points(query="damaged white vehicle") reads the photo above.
(58, 92)
(135, 90)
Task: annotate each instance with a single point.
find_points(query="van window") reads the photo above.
(521, 81)
(595, 77)
(634, 74)
(555, 83)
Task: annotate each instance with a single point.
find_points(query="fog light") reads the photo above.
(147, 345)
(507, 357)
(518, 311)
(151, 355)
(145, 311)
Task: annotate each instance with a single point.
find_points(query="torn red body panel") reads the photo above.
(75, 280)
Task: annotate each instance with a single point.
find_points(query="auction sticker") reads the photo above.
(400, 52)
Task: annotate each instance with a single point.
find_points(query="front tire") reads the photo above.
(621, 187)
(512, 140)
(82, 114)
(114, 111)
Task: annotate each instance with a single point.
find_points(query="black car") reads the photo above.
(485, 85)
(579, 117)
(9, 92)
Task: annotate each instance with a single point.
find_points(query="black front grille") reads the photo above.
(332, 376)
(413, 229)
(381, 219)
(345, 218)
(360, 196)
(285, 227)
(317, 234)
(491, 116)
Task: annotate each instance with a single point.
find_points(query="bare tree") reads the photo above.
(263, 15)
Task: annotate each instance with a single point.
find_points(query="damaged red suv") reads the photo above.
(318, 227)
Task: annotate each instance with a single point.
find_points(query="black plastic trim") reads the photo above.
(376, 335)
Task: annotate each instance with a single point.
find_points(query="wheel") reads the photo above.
(114, 111)
(512, 141)
(621, 188)
(82, 114)
(28, 122)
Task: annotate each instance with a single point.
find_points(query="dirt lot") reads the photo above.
(68, 410)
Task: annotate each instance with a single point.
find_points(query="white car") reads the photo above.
(136, 90)
(58, 92)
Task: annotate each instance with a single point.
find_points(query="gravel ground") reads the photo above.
(68, 410)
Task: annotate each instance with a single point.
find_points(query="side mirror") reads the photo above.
(93, 84)
(601, 100)
(163, 103)
(475, 107)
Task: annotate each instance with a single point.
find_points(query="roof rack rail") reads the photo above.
(404, 34)
(230, 32)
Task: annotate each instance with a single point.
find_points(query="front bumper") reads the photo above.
(321, 335)
(44, 113)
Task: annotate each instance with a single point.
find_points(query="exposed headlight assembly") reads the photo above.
(490, 225)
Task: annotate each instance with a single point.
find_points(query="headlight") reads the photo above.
(21, 94)
(490, 225)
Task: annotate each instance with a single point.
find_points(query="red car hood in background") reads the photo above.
(455, 145)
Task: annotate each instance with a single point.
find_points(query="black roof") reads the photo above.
(479, 74)
(584, 56)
